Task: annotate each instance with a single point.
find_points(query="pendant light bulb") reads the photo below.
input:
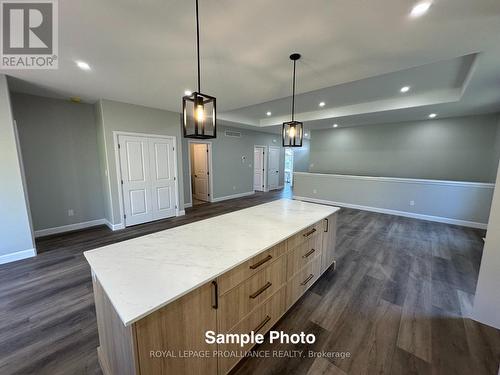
(200, 113)
(291, 132)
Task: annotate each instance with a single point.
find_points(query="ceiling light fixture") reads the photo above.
(420, 8)
(405, 89)
(82, 65)
(335, 125)
(432, 115)
(268, 113)
(293, 130)
(198, 110)
(322, 104)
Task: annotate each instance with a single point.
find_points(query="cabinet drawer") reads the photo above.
(259, 321)
(302, 281)
(303, 254)
(242, 272)
(306, 234)
(239, 301)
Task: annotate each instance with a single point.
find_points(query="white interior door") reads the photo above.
(200, 171)
(161, 159)
(148, 179)
(258, 165)
(274, 167)
(135, 180)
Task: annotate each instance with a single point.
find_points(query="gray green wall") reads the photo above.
(116, 116)
(15, 228)
(59, 148)
(462, 148)
(301, 157)
(231, 175)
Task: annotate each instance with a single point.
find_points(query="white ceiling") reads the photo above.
(356, 56)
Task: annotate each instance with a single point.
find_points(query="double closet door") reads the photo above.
(148, 180)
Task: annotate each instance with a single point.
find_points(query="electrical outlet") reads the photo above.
(314, 191)
(71, 212)
(234, 187)
(412, 203)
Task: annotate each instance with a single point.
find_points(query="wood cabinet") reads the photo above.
(252, 296)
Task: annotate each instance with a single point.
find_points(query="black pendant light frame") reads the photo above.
(293, 131)
(193, 126)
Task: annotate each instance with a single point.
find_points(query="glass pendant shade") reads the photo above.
(292, 134)
(198, 116)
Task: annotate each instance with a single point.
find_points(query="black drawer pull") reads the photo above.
(306, 255)
(327, 225)
(307, 280)
(261, 325)
(261, 290)
(309, 233)
(215, 295)
(261, 262)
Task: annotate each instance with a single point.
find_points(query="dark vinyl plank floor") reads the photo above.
(399, 301)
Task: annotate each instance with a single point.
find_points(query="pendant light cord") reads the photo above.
(293, 91)
(198, 43)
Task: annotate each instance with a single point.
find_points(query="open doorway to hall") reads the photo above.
(200, 171)
(288, 168)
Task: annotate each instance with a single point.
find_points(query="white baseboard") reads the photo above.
(69, 227)
(233, 196)
(181, 213)
(439, 219)
(18, 255)
(187, 205)
(114, 226)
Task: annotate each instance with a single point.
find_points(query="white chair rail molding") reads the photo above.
(452, 202)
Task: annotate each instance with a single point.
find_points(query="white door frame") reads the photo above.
(210, 172)
(279, 165)
(266, 188)
(116, 134)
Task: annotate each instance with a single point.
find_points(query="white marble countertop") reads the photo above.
(146, 273)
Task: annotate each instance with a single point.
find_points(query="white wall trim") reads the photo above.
(181, 213)
(114, 227)
(18, 255)
(69, 227)
(239, 195)
(189, 204)
(404, 180)
(413, 215)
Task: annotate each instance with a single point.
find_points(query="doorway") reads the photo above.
(259, 168)
(200, 171)
(147, 177)
(288, 167)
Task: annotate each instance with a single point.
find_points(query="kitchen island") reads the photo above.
(156, 296)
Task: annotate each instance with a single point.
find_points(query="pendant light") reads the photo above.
(198, 110)
(293, 130)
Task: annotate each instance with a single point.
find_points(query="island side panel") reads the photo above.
(180, 326)
(116, 352)
(329, 241)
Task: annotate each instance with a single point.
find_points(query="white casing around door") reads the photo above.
(258, 164)
(274, 167)
(147, 177)
(200, 171)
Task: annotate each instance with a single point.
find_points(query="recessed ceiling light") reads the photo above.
(82, 65)
(268, 113)
(306, 134)
(432, 115)
(335, 125)
(188, 92)
(420, 8)
(322, 104)
(405, 89)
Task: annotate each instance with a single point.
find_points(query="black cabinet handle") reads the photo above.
(215, 295)
(327, 225)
